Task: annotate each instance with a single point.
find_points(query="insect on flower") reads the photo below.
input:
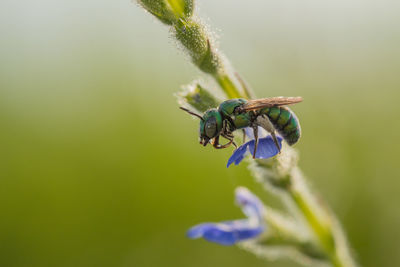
(233, 114)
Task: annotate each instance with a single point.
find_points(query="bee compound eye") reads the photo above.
(211, 128)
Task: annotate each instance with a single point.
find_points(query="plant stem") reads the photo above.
(321, 230)
(229, 87)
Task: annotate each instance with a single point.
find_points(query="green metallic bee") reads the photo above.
(233, 114)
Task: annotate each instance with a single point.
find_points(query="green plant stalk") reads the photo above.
(177, 7)
(229, 87)
(321, 230)
(197, 42)
(283, 232)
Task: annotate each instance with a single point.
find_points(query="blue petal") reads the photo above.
(225, 233)
(251, 205)
(245, 234)
(231, 232)
(266, 149)
(250, 133)
(197, 231)
(238, 154)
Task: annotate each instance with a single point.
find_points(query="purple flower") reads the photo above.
(266, 149)
(230, 232)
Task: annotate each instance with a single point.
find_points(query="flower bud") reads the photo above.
(198, 97)
(168, 11)
(194, 38)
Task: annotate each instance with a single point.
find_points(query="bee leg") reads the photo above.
(255, 130)
(226, 145)
(234, 144)
(265, 123)
(244, 136)
(216, 142)
(276, 141)
(218, 146)
(230, 137)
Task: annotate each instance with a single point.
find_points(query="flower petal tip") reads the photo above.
(195, 232)
(220, 233)
(225, 233)
(251, 205)
(230, 232)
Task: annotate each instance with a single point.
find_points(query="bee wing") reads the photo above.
(270, 102)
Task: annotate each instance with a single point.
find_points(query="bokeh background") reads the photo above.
(98, 167)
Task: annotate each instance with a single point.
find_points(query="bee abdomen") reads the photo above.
(285, 122)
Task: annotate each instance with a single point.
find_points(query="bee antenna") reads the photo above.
(192, 113)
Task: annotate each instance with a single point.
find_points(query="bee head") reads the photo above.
(210, 126)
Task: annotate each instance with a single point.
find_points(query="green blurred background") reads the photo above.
(100, 168)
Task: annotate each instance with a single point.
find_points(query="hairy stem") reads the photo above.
(320, 230)
(321, 222)
(229, 86)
